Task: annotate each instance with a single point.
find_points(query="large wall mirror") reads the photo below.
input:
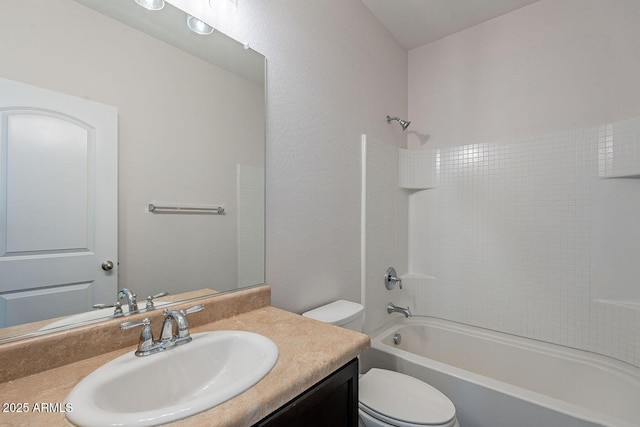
(188, 112)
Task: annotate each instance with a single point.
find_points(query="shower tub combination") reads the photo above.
(500, 380)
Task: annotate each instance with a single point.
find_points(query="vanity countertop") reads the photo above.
(308, 352)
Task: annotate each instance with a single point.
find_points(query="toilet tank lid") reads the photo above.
(336, 313)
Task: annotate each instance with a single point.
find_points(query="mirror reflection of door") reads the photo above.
(58, 203)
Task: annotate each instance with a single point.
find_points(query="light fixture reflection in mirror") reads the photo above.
(199, 27)
(151, 4)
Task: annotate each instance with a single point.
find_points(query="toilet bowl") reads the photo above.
(388, 398)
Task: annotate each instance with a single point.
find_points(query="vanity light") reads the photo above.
(198, 27)
(151, 4)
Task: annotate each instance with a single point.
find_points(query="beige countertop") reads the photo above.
(308, 352)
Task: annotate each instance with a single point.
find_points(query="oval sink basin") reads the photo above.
(173, 384)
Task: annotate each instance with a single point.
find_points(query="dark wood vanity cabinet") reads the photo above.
(332, 402)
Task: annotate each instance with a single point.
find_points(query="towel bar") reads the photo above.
(186, 209)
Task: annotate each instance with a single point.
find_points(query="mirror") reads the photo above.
(191, 132)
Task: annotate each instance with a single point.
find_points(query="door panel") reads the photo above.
(42, 304)
(48, 183)
(58, 203)
(26, 272)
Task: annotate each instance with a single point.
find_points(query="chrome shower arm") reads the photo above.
(404, 123)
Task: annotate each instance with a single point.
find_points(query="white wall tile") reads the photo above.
(418, 168)
(619, 148)
(505, 242)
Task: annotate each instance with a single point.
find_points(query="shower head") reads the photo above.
(405, 124)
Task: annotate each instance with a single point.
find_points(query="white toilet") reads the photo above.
(388, 398)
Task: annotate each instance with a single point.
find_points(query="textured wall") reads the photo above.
(521, 110)
(333, 73)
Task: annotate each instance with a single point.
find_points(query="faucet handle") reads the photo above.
(193, 309)
(150, 299)
(133, 324)
(145, 344)
(190, 310)
(116, 305)
(391, 278)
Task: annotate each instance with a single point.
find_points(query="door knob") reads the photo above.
(107, 265)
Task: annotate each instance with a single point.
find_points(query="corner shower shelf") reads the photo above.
(417, 169)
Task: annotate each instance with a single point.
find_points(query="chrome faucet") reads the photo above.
(395, 309)
(129, 297)
(168, 339)
(391, 278)
(179, 319)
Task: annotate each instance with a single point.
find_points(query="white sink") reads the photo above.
(92, 315)
(173, 384)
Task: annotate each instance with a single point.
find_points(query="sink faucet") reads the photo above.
(179, 319)
(168, 340)
(129, 297)
(395, 309)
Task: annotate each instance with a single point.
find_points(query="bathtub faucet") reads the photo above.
(395, 309)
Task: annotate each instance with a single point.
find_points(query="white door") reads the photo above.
(58, 203)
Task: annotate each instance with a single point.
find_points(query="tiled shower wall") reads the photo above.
(504, 240)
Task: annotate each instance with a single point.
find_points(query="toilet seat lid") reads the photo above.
(404, 398)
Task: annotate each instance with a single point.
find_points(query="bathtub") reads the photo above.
(500, 380)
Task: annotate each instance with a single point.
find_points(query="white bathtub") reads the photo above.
(500, 380)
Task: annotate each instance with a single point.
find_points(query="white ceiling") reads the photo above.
(417, 22)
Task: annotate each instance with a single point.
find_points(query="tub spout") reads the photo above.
(395, 309)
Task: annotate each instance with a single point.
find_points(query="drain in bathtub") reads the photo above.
(397, 339)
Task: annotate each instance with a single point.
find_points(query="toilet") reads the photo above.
(388, 398)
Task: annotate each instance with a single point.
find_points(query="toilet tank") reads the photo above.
(341, 313)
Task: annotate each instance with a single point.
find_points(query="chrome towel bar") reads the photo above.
(186, 209)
